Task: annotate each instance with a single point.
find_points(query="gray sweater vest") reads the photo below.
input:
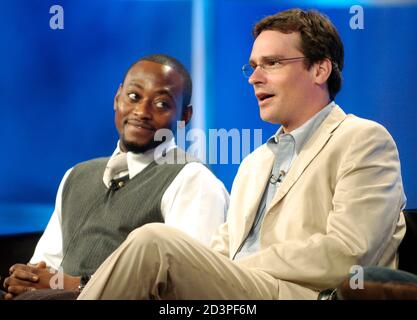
(96, 220)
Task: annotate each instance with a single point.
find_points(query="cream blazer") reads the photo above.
(340, 205)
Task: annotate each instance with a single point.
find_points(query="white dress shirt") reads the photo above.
(196, 202)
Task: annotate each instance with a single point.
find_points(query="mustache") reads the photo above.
(139, 123)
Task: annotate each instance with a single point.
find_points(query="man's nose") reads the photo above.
(143, 109)
(257, 76)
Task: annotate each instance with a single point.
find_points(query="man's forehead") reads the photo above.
(145, 66)
(145, 75)
(156, 72)
(275, 43)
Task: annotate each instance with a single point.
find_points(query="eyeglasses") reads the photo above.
(269, 65)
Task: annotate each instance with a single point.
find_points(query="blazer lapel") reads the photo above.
(257, 180)
(309, 152)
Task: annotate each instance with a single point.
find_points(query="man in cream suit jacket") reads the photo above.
(323, 195)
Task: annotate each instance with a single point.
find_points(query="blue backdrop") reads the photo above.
(57, 86)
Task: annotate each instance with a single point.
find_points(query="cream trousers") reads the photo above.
(159, 262)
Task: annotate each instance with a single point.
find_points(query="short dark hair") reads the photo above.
(177, 66)
(319, 39)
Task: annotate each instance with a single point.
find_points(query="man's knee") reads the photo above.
(150, 233)
(152, 244)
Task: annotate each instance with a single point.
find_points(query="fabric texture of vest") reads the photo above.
(96, 220)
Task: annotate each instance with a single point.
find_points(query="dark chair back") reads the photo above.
(407, 251)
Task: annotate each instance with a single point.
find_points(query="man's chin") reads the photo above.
(140, 148)
(270, 118)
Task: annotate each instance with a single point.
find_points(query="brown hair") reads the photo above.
(319, 39)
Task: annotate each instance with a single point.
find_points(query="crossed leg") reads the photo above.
(159, 262)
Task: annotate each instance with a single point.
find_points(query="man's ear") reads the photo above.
(323, 69)
(116, 97)
(187, 113)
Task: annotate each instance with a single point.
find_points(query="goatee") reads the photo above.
(136, 148)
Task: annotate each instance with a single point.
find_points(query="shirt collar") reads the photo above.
(136, 162)
(303, 133)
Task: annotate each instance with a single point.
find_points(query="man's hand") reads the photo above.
(34, 277)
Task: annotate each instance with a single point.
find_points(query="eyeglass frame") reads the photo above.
(277, 62)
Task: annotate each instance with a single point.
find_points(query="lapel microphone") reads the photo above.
(274, 179)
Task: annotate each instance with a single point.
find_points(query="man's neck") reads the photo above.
(312, 111)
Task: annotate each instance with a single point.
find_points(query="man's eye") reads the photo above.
(162, 104)
(272, 63)
(133, 96)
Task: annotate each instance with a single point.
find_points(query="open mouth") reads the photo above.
(263, 97)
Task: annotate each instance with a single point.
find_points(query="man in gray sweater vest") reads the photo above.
(101, 201)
